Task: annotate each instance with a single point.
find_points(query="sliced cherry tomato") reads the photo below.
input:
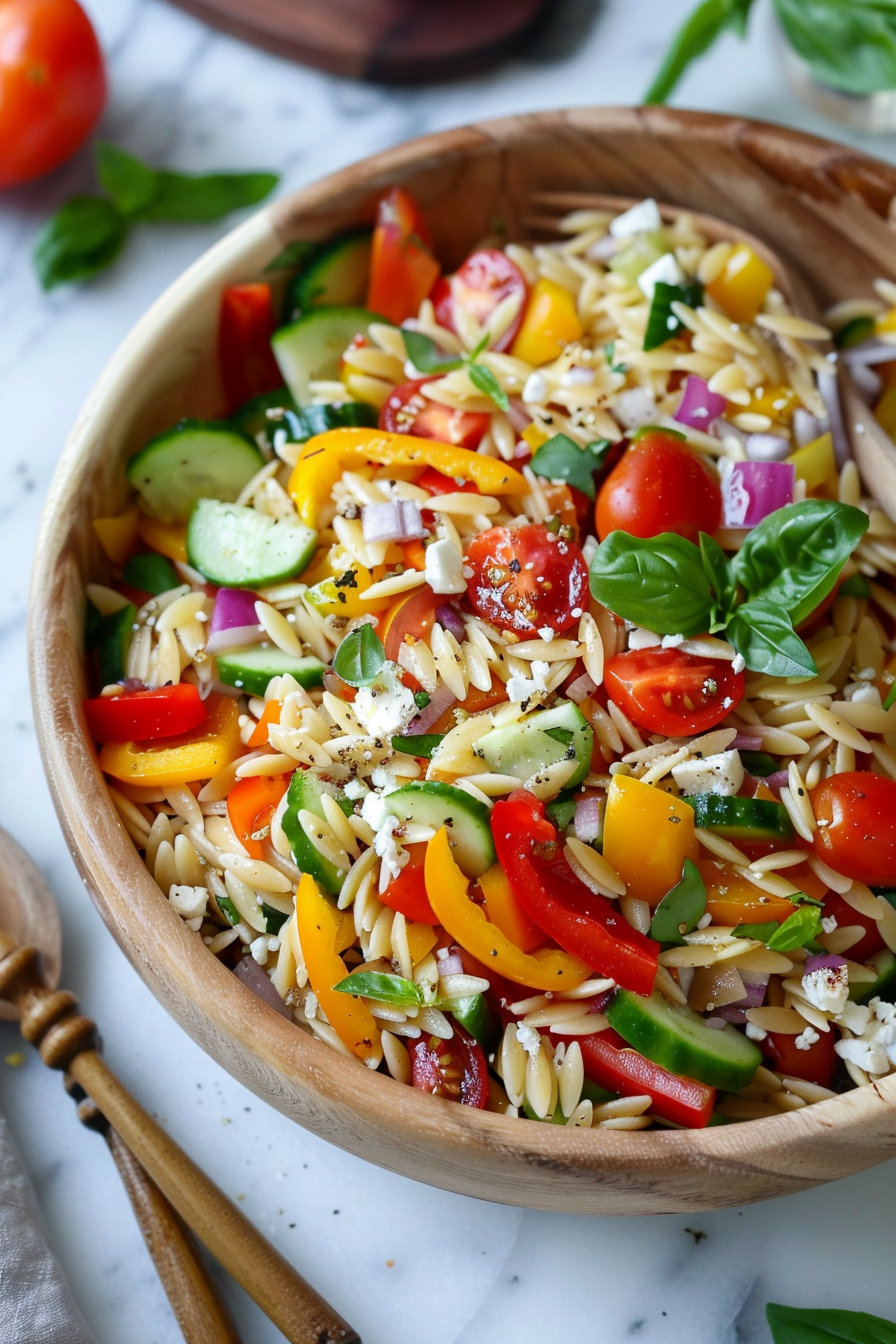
(454, 1069)
(246, 322)
(612, 1064)
(406, 893)
(144, 716)
(818, 1064)
(486, 278)
(407, 410)
(526, 578)
(667, 691)
(402, 267)
(411, 618)
(856, 834)
(871, 941)
(660, 485)
(52, 85)
(250, 805)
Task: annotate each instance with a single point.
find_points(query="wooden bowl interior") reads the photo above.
(824, 209)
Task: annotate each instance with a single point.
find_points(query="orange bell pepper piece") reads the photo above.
(250, 806)
(648, 834)
(505, 911)
(167, 538)
(199, 754)
(118, 535)
(318, 924)
(270, 714)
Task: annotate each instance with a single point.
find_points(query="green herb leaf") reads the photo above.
(182, 198)
(562, 810)
(561, 735)
(360, 657)
(761, 932)
(795, 555)
(419, 744)
(425, 355)
(84, 236)
(695, 37)
(717, 568)
(130, 183)
(758, 763)
(681, 909)
(798, 928)
(560, 458)
(764, 637)
(382, 987)
(228, 910)
(150, 573)
(662, 324)
(849, 44)
(422, 699)
(483, 379)
(273, 919)
(659, 583)
(891, 697)
(610, 352)
(294, 254)
(857, 586)
(803, 1325)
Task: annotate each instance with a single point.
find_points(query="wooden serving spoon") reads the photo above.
(49, 1020)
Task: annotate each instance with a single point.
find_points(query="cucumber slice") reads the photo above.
(305, 792)
(884, 987)
(678, 1039)
(552, 735)
(854, 332)
(250, 670)
(337, 273)
(242, 548)
(476, 1017)
(197, 458)
(741, 818)
(109, 638)
(311, 347)
(276, 412)
(435, 804)
(150, 572)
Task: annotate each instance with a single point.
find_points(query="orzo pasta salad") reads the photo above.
(504, 687)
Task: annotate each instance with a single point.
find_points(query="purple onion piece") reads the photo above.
(450, 619)
(730, 1013)
(604, 249)
(442, 699)
(830, 393)
(580, 689)
(872, 351)
(233, 607)
(699, 407)
(776, 782)
(393, 520)
(255, 978)
(519, 417)
(717, 1021)
(589, 818)
(746, 742)
(829, 962)
(451, 965)
(753, 490)
(237, 637)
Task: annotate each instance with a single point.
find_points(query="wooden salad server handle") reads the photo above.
(67, 1040)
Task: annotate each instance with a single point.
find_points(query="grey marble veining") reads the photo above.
(405, 1263)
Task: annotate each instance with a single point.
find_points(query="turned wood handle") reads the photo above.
(49, 1020)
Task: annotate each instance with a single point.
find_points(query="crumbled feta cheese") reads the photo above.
(874, 1047)
(867, 1054)
(807, 1039)
(829, 923)
(855, 1017)
(385, 779)
(390, 851)
(755, 1033)
(521, 688)
(535, 388)
(387, 706)
(310, 1005)
(672, 641)
(577, 376)
(665, 270)
(444, 567)
(738, 663)
(259, 949)
(373, 810)
(189, 902)
(641, 218)
(639, 638)
(827, 988)
(863, 693)
(721, 773)
(529, 1039)
(546, 633)
(354, 790)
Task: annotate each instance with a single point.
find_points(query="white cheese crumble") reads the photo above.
(444, 567)
(721, 773)
(390, 851)
(755, 1033)
(665, 270)
(535, 388)
(644, 217)
(189, 902)
(521, 688)
(827, 988)
(874, 1047)
(529, 1039)
(387, 706)
(354, 790)
(807, 1039)
(738, 663)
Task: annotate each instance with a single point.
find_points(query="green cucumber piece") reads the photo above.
(274, 413)
(541, 740)
(337, 273)
(312, 346)
(239, 547)
(197, 458)
(562, 810)
(475, 1015)
(643, 250)
(150, 573)
(678, 1039)
(109, 638)
(305, 792)
(432, 803)
(740, 818)
(854, 332)
(759, 763)
(884, 987)
(250, 670)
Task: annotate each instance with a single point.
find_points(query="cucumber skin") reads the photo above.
(473, 856)
(660, 1031)
(772, 821)
(302, 290)
(206, 559)
(299, 424)
(312, 346)
(232, 670)
(152, 456)
(304, 793)
(504, 748)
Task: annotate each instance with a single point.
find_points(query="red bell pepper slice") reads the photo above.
(612, 1064)
(246, 360)
(402, 267)
(143, 716)
(579, 920)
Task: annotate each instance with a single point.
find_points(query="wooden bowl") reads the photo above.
(825, 208)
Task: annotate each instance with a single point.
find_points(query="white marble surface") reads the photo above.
(401, 1261)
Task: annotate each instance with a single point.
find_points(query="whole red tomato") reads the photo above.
(52, 85)
(660, 485)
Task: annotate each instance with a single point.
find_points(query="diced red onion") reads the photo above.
(806, 426)
(519, 416)
(222, 641)
(776, 782)
(699, 407)
(723, 430)
(830, 961)
(451, 965)
(442, 699)
(604, 249)
(753, 490)
(867, 381)
(580, 689)
(588, 821)
(746, 742)
(830, 394)
(767, 447)
(730, 1013)
(233, 607)
(873, 351)
(393, 520)
(254, 977)
(450, 619)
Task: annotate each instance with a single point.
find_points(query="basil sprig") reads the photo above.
(88, 232)
(560, 458)
(360, 657)
(787, 565)
(681, 909)
(426, 356)
(384, 988)
(806, 1325)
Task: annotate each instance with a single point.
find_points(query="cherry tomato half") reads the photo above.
(402, 267)
(660, 485)
(407, 410)
(454, 1069)
(816, 1065)
(856, 832)
(486, 278)
(526, 578)
(871, 940)
(52, 85)
(667, 691)
(411, 617)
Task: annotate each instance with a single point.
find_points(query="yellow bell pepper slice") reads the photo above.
(422, 938)
(318, 924)
(815, 463)
(199, 754)
(505, 911)
(167, 538)
(742, 284)
(324, 458)
(648, 834)
(446, 887)
(550, 322)
(535, 436)
(885, 411)
(342, 591)
(118, 535)
(776, 402)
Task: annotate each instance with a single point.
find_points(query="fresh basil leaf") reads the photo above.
(273, 919)
(480, 346)
(662, 323)
(422, 699)
(382, 987)
(183, 198)
(761, 932)
(130, 183)
(803, 898)
(228, 910)
(658, 582)
(695, 37)
(681, 909)
(419, 744)
(562, 735)
(848, 44)
(562, 810)
(85, 235)
(891, 697)
(717, 568)
(483, 379)
(425, 355)
(825, 1325)
(560, 458)
(360, 657)
(803, 924)
(294, 254)
(764, 637)
(795, 555)
(857, 586)
(758, 763)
